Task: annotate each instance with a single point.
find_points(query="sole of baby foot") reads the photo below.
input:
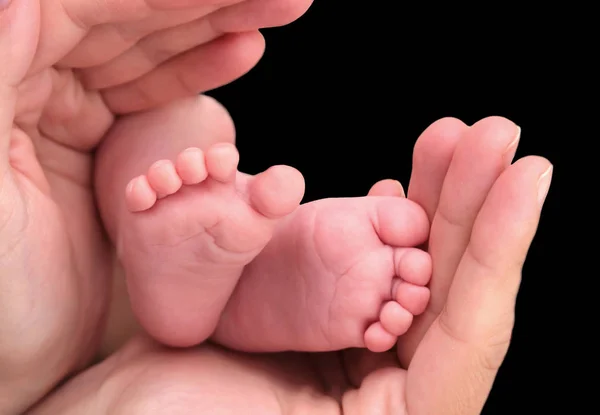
(338, 273)
(193, 225)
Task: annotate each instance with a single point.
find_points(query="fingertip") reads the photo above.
(497, 132)
(432, 156)
(439, 136)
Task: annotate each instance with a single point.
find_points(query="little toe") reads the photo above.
(163, 178)
(395, 319)
(378, 340)
(413, 265)
(277, 191)
(191, 167)
(139, 196)
(221, 162)
(411, 297)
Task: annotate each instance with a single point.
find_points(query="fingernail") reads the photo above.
(511, 150)
(544, 185)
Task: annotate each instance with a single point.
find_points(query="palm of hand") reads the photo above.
(49, 125)
(53, 311)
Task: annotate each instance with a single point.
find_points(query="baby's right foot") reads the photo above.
(338, 273)
(193, 226)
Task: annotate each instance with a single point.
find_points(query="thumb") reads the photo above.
(455, 365)
(19, 25)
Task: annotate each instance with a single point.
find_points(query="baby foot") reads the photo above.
(194, 225)
(338, 273)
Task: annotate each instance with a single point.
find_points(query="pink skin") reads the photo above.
(195, 224)
(55, 284)
(187, 224)
(456, 361)
(349, 264)
(372, 317)
(178, 278)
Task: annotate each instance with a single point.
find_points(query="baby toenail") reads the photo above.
(131, 184)
(4, 4)
(162, 165)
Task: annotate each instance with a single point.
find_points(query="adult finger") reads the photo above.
(454, 368)
(431, 159)
(254, 14)
(64, 23)
(79, 117)
(106, 42)
(206, 67)
(127, 50)
(202, 23)
(132, 60)
(432, 156)
(73, 116)
(485, 150)
(148, 54)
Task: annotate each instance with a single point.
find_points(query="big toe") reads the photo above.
(277, 191)
(400, 222)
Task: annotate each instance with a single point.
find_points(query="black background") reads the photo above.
(343, 93)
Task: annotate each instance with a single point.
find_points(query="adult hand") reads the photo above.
(484, 216)
(67, 67)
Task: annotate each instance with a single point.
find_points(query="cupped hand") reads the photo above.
(67, 67)
(484, 214)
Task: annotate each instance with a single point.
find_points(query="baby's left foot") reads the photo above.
(193, 226)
